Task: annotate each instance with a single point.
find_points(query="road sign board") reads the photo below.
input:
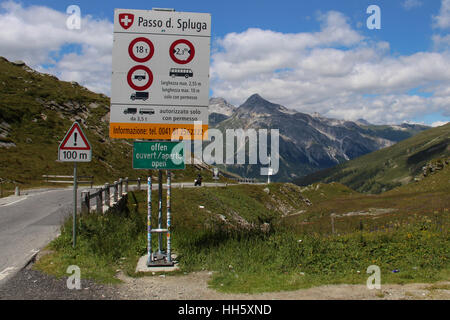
(75, 147)
(162, 155)
(160, 62)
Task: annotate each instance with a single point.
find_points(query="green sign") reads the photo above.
(163, 155)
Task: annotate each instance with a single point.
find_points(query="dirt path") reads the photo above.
(194, 286)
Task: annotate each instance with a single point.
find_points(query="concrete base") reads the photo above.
(142, 266)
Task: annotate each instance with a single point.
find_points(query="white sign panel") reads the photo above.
(75, 147)
(160, 79)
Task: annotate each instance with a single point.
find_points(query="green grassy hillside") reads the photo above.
(279, 237)
(390, 167)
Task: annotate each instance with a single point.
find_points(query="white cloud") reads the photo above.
(338, 74)
(411, 4)
(335, 71)
(38, 36)
(442, 20)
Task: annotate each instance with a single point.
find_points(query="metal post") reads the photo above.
(149, 220)
(169, 187)
(126, 185)
(120, 187)
(139, 184)
(160, 192)
(74, 204)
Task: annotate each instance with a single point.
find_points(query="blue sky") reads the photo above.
(407, 31)
(409, 36)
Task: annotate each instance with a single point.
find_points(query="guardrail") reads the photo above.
(90, 181)
(104, 198)
(245, 180)
(110, 194)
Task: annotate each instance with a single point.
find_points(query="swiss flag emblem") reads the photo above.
(126, 20)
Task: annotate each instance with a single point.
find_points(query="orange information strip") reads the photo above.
(157, 131)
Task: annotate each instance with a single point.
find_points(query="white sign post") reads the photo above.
(75, 148)
(160, 79)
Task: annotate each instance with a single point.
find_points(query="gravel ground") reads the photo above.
(29, 284)
(194, 286)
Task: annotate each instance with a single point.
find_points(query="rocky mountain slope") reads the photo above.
(37, 109)
(219, 110)
(310, 143)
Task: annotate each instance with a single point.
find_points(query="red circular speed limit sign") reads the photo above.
(140, 76)
(180, 49)
(141, 49)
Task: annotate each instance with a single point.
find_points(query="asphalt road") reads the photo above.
(30, 221)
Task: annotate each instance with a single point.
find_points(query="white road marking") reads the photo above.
(11, 203)
(6, 272)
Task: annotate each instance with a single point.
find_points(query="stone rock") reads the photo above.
(18, 63)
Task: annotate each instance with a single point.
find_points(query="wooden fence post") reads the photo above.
(99, 200)
(85, 202)
(116, 191)
(107, 195)
(120, 188)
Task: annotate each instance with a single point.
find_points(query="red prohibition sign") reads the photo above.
(145, 86)
(191, 52)
(131, 51)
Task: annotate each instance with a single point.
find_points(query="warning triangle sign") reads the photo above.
(75, 139)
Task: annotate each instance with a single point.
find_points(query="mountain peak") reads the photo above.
(256, 99)
(256, 103)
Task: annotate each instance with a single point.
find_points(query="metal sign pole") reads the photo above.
(149, 219)
(74, 204)
(169, 187)
(160, 189)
